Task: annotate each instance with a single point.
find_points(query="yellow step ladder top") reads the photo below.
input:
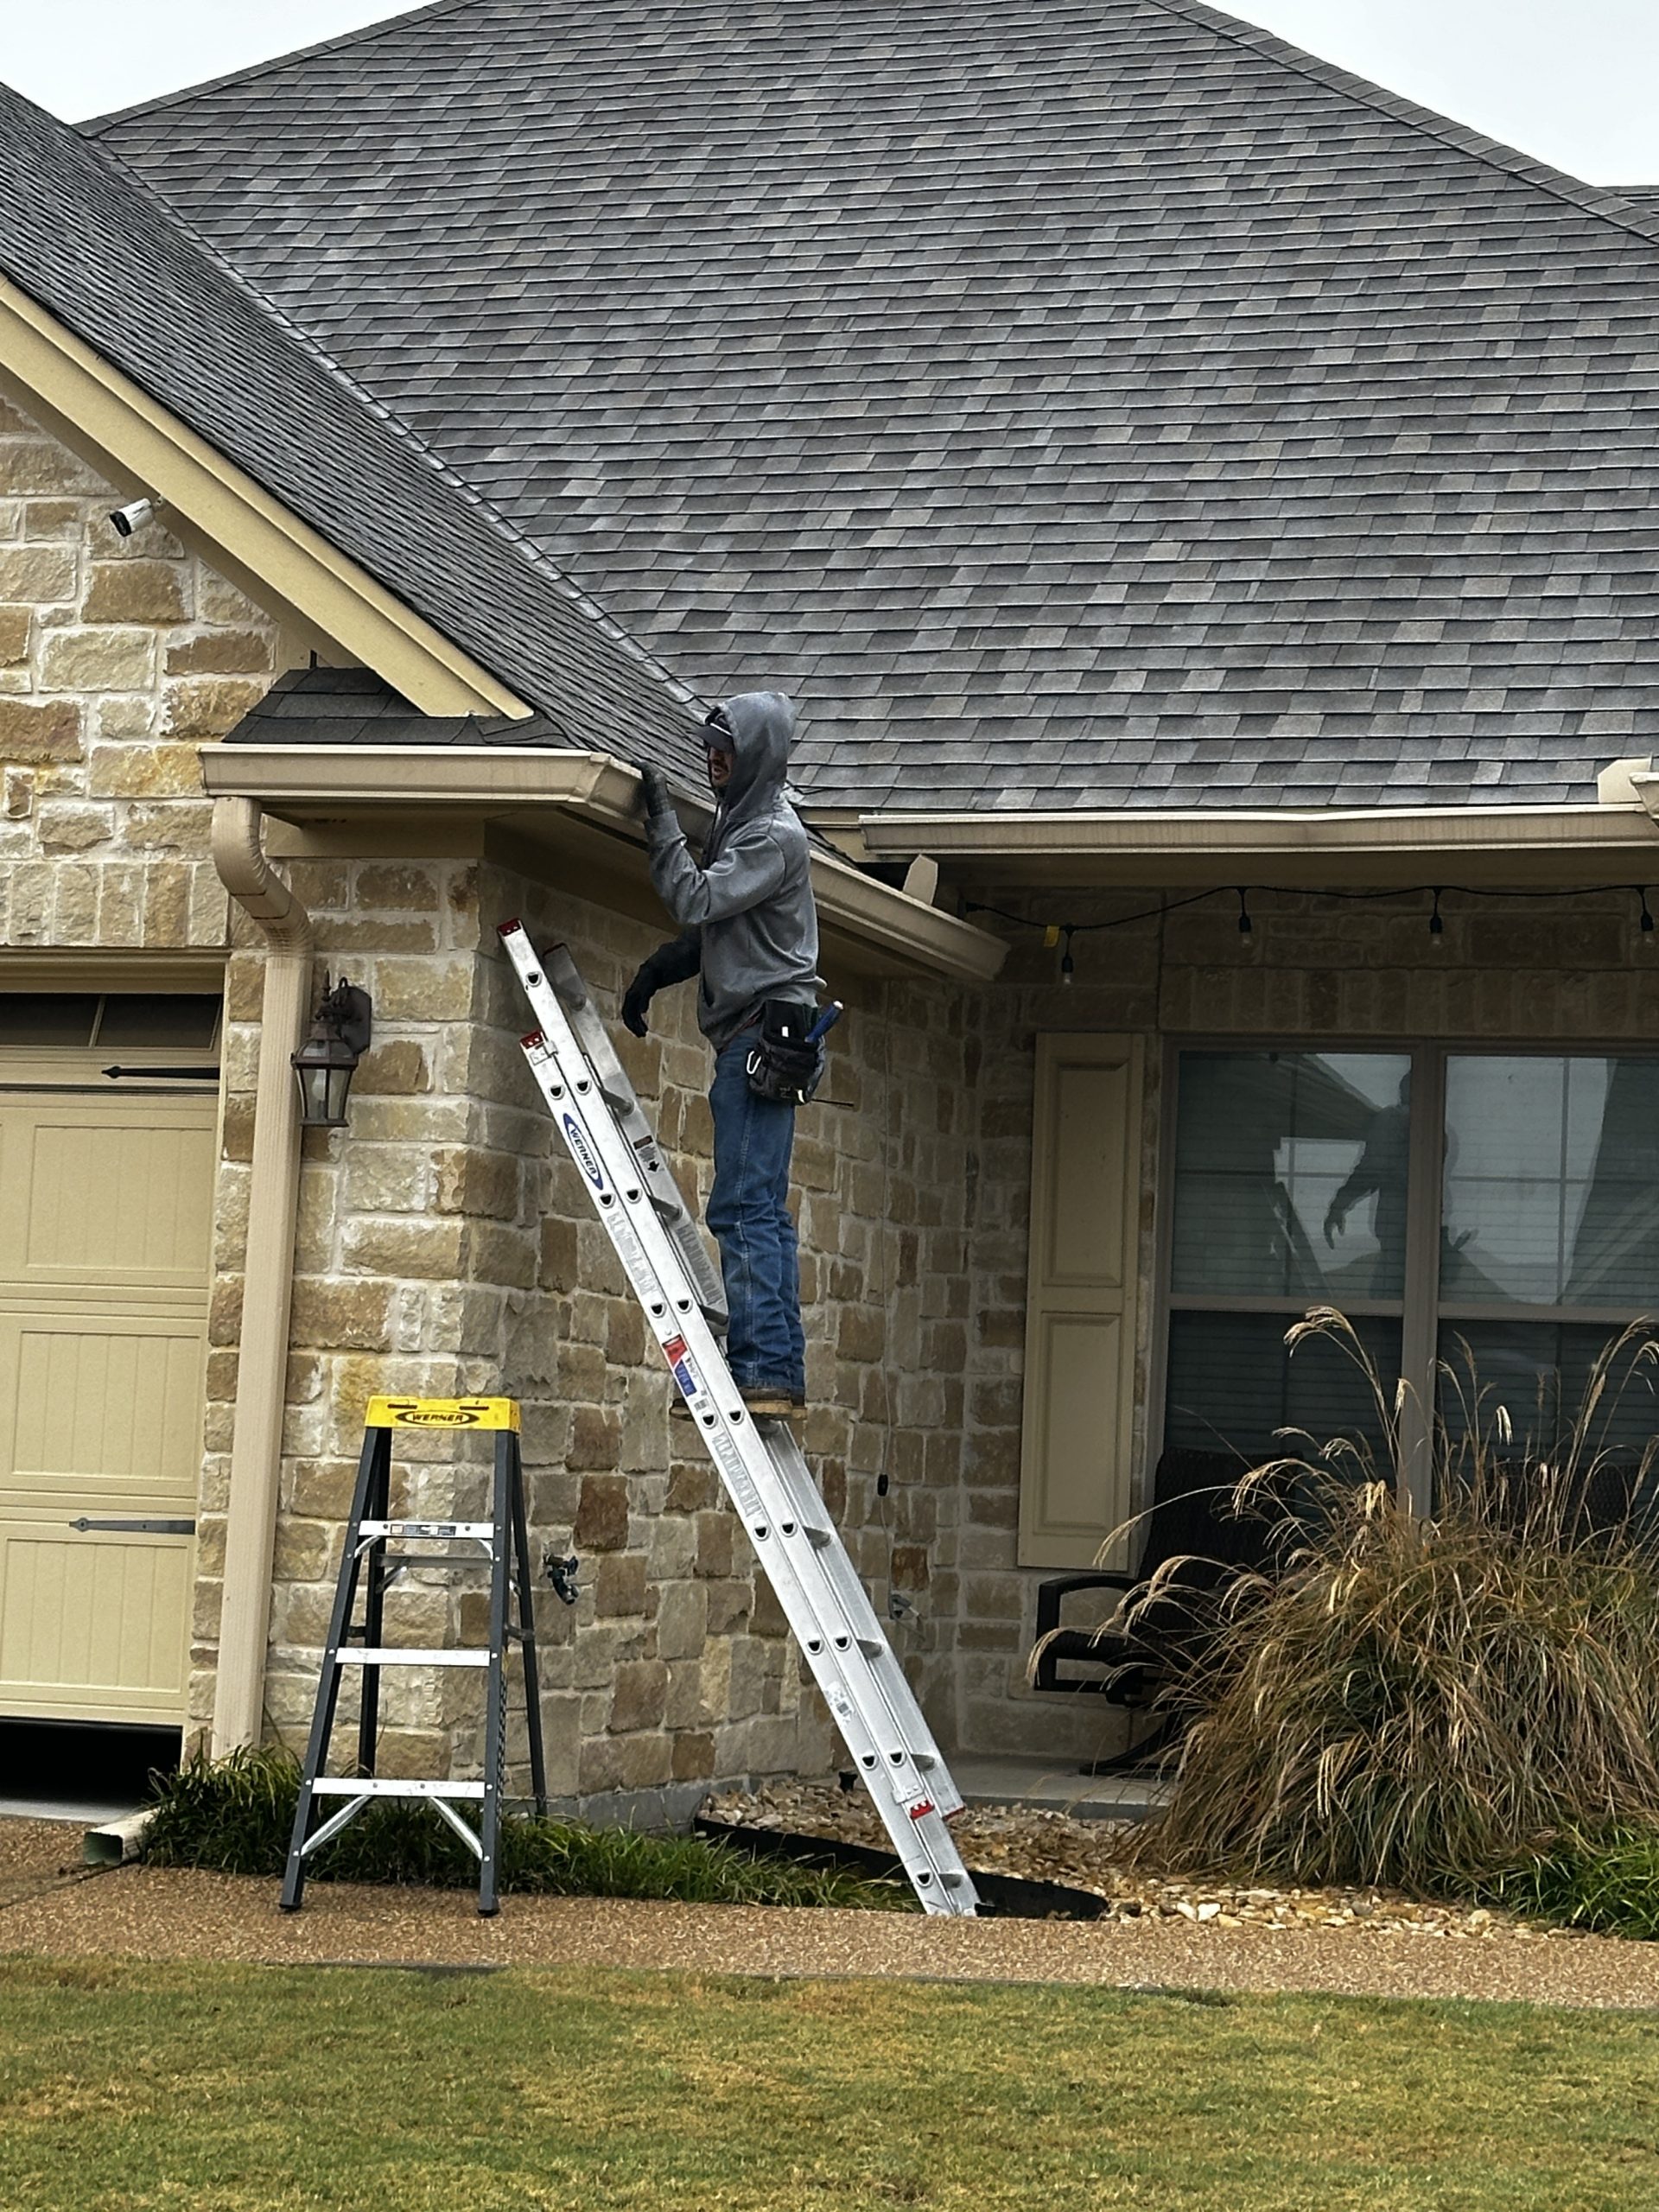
(441, 1413)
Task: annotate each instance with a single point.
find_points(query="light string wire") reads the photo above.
(1063, 932)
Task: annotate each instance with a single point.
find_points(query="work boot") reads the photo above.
(763, 1404)
(766, 1404)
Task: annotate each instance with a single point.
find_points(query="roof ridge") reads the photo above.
(362, 35)
(510, 531)
(1462, 137)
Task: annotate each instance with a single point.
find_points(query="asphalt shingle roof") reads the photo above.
(353, 706)
(95, 248)
(1073, 402)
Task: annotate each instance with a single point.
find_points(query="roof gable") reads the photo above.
(1075, 402)
(108, 263)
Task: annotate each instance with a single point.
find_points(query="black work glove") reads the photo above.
(654, 793)
(674, 962)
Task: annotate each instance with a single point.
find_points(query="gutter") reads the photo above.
(273, 1198)
(311, 784)
(1223, 833)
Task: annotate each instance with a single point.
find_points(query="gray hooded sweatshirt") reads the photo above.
(748, 909)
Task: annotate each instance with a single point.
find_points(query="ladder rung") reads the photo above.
(376, 1654)
(437, 1559)
(481, 1530)
(372, 1786)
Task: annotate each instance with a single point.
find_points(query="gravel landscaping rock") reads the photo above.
(1050, 1847)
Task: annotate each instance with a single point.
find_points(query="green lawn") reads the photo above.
(247, 2089)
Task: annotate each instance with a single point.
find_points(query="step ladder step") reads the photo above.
(378, 1654)
(475, 1531)
(331, 1785)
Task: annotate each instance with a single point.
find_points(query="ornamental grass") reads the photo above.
(1420, 1700)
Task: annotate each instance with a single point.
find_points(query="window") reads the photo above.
(184, 1020)
(1506, 1202)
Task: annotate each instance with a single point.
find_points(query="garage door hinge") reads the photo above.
(139, 1528)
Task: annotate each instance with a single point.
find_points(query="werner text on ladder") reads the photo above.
(751, 937)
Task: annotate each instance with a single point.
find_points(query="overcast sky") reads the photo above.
(1575, 82)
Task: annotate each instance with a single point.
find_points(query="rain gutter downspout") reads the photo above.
(273, 1200)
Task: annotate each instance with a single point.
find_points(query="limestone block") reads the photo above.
(45, 520)
(596, 1438)
(32, 731)
(14, 636)
(477, 1182)
(37, 575)
(134, 591)
(342, 1316)
(208, 706)
(221, 653)
(400, 890)
(639, 1696)
(431, 1250)
(624, 1761)
(122, 714)
(384, 1178)
(304, 1550)
(694, 1756)
(167, 903)
(683, 1620)
(219, 602)
(424, 991)
(714, 1545)
(106, 659)
(129, 771)
(396, 1067)
(601, 1522)
(74, 903)
(619, 1585)
(181, 825)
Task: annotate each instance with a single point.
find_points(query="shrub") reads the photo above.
(1418, 1701)
(235, 1814)
(1608, 1883)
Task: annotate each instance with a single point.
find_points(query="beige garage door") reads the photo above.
(106, 1200)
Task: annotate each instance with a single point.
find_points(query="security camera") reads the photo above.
(137, 512)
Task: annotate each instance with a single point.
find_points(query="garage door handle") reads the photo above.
(140, 1527)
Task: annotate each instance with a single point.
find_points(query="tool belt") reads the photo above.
(781, 1065)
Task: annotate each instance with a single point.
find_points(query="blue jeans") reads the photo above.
(748, 1212)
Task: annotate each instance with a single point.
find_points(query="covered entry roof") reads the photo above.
(1076, 402)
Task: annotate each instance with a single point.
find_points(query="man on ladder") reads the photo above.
(750, 933)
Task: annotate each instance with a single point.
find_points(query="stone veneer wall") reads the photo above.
(442, 1246)
(446, 1245)
(1318, 969)
(117, 656)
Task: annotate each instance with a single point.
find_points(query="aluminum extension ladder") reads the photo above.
(599, 1117)
(498, 1544)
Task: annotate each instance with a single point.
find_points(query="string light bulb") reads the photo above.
(1646, 923)
(1067, 965)
(1436, 926)
(1245, 924)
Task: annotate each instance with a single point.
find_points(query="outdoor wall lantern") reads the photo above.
(327, 1060)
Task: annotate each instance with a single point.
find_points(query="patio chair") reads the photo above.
(1189, 1521)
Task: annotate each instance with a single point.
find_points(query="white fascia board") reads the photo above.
(1230, 833)
(308, 783)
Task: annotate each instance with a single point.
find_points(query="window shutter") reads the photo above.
(1080, 1314)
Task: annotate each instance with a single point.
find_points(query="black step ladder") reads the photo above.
(499, 1544)
(598, 1119)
